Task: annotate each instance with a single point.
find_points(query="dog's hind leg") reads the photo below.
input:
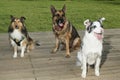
(79, 59)
(76, 43)
(30, 47)
(97, 66)
(30, 44)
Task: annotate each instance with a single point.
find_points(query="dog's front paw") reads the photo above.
(67, 56)
(53, 52)
(83, 75)
(97, 73)
(15, 56)
(22, 55)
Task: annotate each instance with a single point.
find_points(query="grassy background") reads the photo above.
(38, 15)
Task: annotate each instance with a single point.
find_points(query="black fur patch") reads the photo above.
(10, 29)
(89, 28)
(100, 23)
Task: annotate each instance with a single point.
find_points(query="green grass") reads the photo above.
(38, 12)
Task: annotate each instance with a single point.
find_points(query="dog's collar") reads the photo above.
(18, 41)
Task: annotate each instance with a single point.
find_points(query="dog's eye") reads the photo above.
(14, 21)
(57, 15)
(63, 15)
(102, 26)
(94, 26)
(18, 21)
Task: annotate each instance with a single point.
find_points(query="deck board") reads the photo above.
(40, 64)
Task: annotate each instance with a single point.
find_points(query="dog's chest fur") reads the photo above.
(61, 35)
(91, 44)
(92, 47)
(16, 34)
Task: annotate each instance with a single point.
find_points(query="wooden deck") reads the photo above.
(41, 65)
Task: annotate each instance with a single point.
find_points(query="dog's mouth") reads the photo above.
(60, 24)
(99, 35)
(16, 27)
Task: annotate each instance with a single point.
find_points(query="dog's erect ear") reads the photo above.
(101, 20)
(64, 8)
(12, 17)
(22, 19)
(53, 10)
(87, 23)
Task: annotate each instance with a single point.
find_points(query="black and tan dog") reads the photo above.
(65, 33)
(19, 37)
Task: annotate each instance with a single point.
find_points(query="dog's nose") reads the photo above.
(60, 20)
(16, 27)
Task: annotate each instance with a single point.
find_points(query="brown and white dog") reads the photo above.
(19, 37)
(65, 33)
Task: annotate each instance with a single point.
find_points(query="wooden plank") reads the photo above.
(40, 64)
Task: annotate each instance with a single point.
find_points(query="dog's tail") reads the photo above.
(37, 43)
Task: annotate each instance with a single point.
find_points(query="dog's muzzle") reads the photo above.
(60, 23)
(99, 35)
(16, 27)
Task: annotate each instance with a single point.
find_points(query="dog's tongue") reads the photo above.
(61, 25)
(99, 36)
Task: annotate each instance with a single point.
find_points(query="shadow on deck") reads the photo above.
(39, 64)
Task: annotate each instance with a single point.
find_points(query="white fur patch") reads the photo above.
(16, 34)
(91, 50)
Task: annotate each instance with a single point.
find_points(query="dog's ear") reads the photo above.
(64, 8)
(101, 19)
(12, 17)
(87, 23)
(53, 10)
(22, 19)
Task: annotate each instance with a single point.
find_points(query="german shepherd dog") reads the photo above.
(65, 33)
(19, 37)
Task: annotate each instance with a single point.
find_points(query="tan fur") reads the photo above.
(26, 42)
(17, 23)
(30, 46)
(64, 35)
(76, 43)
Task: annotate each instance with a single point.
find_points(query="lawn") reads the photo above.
(38, 15)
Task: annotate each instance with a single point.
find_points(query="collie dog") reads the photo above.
(91, 49)
(19, 37)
